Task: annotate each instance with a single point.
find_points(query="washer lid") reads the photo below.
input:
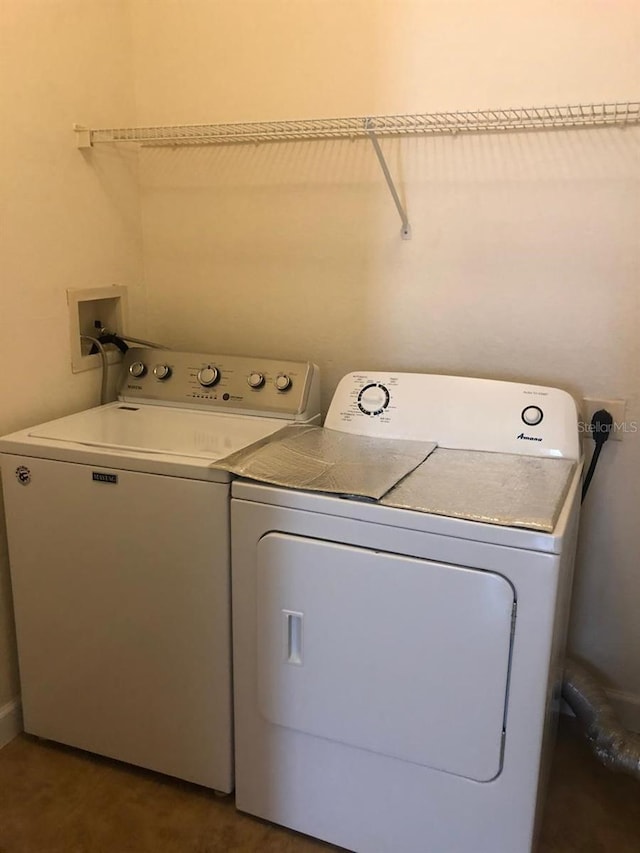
(157, 429)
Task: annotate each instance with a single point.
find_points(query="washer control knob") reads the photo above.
(162, 371)
(208, 376)
(282, 382)
(532, 415)
(137, 369)
(373, 399)
(255, 380)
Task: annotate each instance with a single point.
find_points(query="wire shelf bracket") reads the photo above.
(597, 115)
(405, 231)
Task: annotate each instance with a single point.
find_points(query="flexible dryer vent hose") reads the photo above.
(613, 745)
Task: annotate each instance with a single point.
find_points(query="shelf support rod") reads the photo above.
(405, 231)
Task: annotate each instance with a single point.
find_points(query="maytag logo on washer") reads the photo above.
(101, 477)
(23, 475)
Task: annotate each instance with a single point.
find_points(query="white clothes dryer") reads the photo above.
(396, 671)
(118, 531)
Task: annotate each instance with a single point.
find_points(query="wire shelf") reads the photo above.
(617, 114)
(480, 121)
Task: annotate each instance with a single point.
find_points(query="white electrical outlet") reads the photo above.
(590, 405)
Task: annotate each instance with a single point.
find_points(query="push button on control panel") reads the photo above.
(532, 415)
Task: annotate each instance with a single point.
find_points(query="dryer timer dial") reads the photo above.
(373, 399)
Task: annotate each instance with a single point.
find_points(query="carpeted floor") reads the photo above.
(54, 799)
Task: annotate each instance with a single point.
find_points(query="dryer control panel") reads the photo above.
(458, 412)
(231, 383)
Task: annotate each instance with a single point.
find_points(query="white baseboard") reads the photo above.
(10, 721)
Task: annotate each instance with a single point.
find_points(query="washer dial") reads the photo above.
(208, 376)
(282, 382)
(255, 380)
(162, 372)
(137, 369)
(532, 415)
(373, 399)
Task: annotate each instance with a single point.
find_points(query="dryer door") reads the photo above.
(397, 655)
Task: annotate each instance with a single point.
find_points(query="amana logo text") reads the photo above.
(529, 437)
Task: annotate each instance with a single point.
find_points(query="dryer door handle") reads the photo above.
(293, 631)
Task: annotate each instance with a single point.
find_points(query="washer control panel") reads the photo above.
(458, 412)
(220, 382)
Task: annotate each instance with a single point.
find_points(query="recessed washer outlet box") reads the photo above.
(87, 306)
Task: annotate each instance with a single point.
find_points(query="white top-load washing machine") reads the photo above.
(396, 669)
(118, 530)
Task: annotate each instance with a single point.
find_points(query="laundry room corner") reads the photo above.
(311, 212)
(68, 221)
(523, 263)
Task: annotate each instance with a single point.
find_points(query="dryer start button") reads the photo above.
(532, 415)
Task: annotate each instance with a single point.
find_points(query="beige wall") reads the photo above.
(65, 221)
(524, 262)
